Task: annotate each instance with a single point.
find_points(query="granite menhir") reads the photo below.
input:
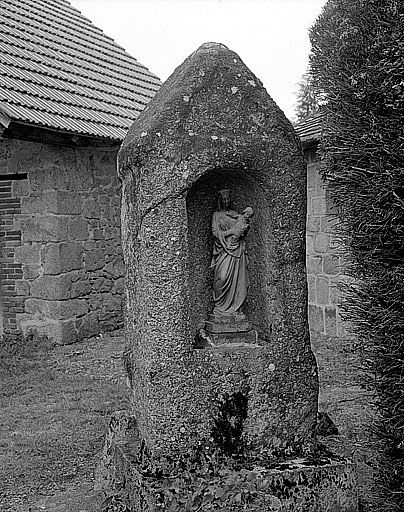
(213, 126)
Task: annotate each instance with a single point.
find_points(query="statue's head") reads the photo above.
(224, 199)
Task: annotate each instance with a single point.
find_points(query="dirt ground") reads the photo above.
(349, 407)
(56, 402)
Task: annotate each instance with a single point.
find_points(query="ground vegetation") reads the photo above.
(307, 101)
(357, 65)
(56, 403)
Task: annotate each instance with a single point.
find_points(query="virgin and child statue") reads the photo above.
(229, 260)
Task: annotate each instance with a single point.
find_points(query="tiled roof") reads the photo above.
(311, 128)
(59, 71)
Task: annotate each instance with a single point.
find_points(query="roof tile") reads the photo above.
(59, 71)
(310, 130)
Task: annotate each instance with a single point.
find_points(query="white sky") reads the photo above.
(270, 36)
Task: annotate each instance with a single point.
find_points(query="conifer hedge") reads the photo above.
(357, 64)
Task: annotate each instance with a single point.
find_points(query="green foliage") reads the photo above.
(357, 64)
(307, 100)
(218, 485)
(209, 480)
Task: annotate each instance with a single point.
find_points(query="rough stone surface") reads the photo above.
(295, 485)
(62, 259)
(212, 126)
(62, 309)
(194, 138)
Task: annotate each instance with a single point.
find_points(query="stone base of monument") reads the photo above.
(230, 330)
(295, 485)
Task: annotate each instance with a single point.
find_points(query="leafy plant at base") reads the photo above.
(210, 480)
(357, 63)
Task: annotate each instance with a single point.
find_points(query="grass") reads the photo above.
(349, 406)
(55, 404)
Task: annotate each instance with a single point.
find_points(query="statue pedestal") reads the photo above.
(227, 324)
(226, 338)
(229, 330)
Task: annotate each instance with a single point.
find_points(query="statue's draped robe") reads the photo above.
(229, 262)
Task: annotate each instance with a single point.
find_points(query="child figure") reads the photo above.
(242, 225)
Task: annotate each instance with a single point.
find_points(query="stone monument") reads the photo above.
(223, 381)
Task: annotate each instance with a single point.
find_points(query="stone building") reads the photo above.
(323, 259)
(68, 94)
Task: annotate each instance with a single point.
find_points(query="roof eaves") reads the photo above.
(32, 129)
(310, 142)
(311, 129)
(5, 119)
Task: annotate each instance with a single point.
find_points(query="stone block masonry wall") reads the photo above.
(66, 253)
(340, 367)
(323, 261)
